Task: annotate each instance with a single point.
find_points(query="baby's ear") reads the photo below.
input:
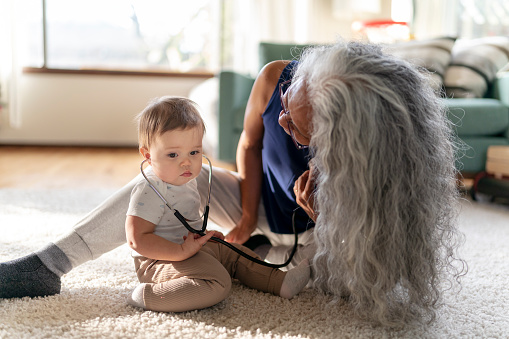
(144, 152)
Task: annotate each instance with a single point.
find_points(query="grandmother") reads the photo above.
(360, 142)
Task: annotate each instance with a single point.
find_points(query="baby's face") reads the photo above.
(176, 156)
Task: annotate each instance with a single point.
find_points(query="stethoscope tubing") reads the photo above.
(205, 217)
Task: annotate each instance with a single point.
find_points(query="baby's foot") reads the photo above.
(295, 280)
(136, 297)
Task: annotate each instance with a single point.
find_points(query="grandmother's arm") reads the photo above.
(249, 155)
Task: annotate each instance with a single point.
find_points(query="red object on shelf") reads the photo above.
(379, 23)
(382, 31)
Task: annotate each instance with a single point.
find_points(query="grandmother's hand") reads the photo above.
(304, 190)
(242, 232)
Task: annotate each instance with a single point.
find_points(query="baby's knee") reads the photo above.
(223, 285)
(228, 285)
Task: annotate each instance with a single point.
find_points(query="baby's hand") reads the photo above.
(217, 234)
(193, 243)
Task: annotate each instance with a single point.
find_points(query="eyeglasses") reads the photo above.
(286, 113)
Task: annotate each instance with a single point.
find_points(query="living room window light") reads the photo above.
(480, 18)
(136, 35)
(463, 19)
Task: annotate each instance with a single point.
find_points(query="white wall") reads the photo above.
(330, 19)
(67, 109)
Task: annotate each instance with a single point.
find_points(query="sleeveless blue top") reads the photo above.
(282, 164)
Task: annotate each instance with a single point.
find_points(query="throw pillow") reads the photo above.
(474, 66)
(433, 55)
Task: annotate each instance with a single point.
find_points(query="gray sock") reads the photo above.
(37, 274)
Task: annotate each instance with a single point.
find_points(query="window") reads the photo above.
(480, 18)
(153, 35)
(464, 19)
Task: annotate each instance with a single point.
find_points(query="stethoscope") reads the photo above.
(205, 217)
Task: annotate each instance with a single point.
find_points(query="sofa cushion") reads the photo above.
(500, 88)
(268, 51)
(474, 66)
(473, 159)
(475, 117)
(432, 54)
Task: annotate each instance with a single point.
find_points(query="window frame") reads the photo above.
(104, 71)
(117, 72)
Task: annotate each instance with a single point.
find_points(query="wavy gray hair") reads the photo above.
(386, 194)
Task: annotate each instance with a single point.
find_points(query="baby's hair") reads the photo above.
(165, 114)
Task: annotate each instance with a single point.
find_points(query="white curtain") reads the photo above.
(248, 22)
(10, 69)
(435, 18)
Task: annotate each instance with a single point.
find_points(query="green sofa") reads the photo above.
(479, 122)
(234, 90)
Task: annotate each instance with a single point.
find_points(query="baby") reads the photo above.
(179, 270)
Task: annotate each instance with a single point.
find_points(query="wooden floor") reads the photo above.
(61, 167)
(66, 167)
(82, 167)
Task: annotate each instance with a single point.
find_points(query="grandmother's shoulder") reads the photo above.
(271, 71)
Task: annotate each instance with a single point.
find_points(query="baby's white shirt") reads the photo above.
(146, 204)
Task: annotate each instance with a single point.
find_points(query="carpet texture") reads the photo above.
(92, 301)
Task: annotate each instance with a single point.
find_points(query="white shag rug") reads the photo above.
(92, 301)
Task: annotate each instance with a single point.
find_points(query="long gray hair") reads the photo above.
(386, 194)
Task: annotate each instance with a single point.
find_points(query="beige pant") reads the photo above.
(202, 280)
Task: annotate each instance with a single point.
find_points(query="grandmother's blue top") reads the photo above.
(282, 163)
